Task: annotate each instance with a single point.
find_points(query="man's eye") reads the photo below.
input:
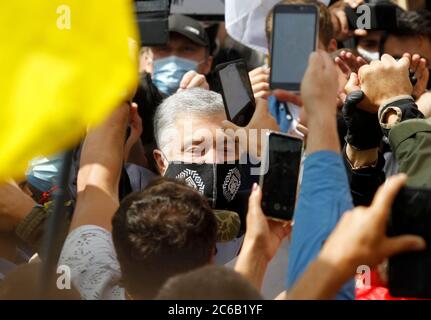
(196, 151)
(370, 44)
(188, 49)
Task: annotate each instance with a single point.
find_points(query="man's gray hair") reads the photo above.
(194, 101)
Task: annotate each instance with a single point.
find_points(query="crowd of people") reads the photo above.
(161, 209)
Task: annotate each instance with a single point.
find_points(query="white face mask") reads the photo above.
(369, 55)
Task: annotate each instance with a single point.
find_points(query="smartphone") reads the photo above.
(409, 273)
(236, 91)
(295, 33)
(279, 175)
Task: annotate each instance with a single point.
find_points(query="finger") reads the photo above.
(353, 83)
(407, 55)
(229, 127)
(197, 81)
(387, 58)
(287, 96)
(386, 194)
(262, 95)
(133, 112)
(415, 61)
(343, 66)
(262, 86)
(343, 54)
(404, 62)
(259, 70)
(254, 201)
(303, 129)
(259, 78)
(188, 76)
(279, 228)
(404, 243)
(421, 69)
(361, 62)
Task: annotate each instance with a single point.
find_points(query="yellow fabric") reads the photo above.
(65, 64)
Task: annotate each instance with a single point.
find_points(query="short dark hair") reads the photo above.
(209, 283)
(414, 23)
(326, 28)
(167, 229)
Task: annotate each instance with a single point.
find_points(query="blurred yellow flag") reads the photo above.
(65, 64)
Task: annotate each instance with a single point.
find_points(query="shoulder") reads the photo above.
(90, 255)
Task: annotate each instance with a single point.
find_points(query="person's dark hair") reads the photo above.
(167, 229)
(414, 23)
(209, 283)
(326, 28)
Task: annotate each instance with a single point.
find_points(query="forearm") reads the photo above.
(251, 264)
(99, 172)
(102, 153)
(321, 281)
(323, 199)
(322, 133)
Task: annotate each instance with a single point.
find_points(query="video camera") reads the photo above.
(152, 17)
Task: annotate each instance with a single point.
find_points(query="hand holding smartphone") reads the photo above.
(279, 175)
(294, 37)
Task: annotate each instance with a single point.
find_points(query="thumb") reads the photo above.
(254, 200)
(353, 83)
(396, 245)
(133, 111)
(229, 127)
(187, 78)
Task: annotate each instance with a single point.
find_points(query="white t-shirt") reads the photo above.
(90, 254)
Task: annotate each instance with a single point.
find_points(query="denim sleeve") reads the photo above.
(324, 197)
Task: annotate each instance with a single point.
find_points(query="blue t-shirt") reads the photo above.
(323, 198)
(281, 114)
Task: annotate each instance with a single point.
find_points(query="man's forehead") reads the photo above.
(198, 119)
(398, 45)
(178, 39)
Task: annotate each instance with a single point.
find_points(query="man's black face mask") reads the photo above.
(219, 182)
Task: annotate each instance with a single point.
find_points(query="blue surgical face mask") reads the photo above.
(43, 172)
(168, 73)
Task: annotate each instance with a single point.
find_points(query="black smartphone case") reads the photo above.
(409, 274)
(245, 115)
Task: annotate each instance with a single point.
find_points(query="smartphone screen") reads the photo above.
(409, 273)
(237, 92)
(280, 174)
(294, 38)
